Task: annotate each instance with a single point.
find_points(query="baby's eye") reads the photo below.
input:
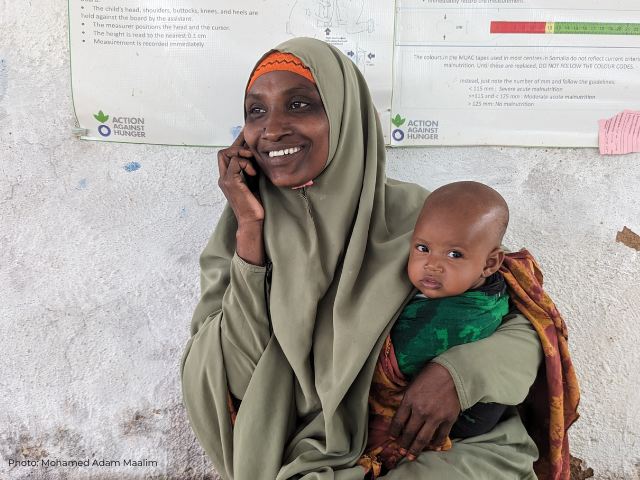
(454, 254)
(298, 104)
(422, 248)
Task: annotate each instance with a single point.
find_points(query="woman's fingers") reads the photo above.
(231, 162)
(236, 149)
(239, 164)
(231, 183)
(421, 440)
(246, 206)
(420, 433)
(428, 409)
(249, 168)
(399, 420)
(225, 156)
(441, 434)
(223, 162)
(415, 433)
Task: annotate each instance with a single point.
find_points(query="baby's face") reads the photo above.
(448, 253)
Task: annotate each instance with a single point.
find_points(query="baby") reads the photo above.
(454, 261)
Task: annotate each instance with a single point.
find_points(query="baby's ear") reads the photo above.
(493, 262)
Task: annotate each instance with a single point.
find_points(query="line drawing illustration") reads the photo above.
(312, 18)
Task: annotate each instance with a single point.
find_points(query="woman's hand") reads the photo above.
(245, 204)
(231, 162)
(428, 410)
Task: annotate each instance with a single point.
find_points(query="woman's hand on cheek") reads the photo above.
(246, 204)
(428, 410)
(231, 162)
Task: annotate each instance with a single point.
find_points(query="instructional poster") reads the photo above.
(441, 72)
(513, 72)
(174, 71)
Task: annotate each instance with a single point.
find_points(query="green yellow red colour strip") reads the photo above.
(567, 28)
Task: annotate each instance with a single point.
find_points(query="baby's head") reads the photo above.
(456, 241)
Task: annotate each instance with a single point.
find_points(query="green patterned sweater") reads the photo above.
(427, 327)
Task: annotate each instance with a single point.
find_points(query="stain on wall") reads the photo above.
(132, 166)
(576, 470)
(629, 238)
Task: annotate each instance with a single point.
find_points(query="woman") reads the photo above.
(301, 283)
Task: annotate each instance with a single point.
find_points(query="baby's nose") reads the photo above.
(432, 267)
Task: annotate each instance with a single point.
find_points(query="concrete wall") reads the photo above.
(99, 273)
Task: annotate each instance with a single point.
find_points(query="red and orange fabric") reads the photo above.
(551, 406)
(547, 412)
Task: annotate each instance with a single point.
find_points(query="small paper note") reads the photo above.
(620, 134)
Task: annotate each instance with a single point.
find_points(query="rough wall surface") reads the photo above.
(99, 275)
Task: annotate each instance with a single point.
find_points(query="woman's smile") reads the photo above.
(286, 151)
(283, 156)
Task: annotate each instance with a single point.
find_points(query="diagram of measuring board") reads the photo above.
(441, 72)
(535, 74)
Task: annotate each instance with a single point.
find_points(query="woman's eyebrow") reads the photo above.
(289, 91)
(301, 88)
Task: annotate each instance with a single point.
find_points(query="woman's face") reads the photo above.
(287, 128)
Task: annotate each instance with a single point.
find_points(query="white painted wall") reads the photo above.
(99, 273)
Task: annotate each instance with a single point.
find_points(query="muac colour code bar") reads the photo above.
(567, 28)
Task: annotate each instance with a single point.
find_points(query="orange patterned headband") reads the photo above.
(281, 61)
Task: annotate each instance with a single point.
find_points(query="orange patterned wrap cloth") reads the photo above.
(552, 404)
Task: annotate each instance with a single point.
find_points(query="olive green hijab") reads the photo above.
(339, 250)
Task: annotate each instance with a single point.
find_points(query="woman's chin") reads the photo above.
(288, 181)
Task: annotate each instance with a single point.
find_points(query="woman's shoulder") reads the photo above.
(409, 186)
(403, 201)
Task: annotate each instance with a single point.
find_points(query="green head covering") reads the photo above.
(339, 250)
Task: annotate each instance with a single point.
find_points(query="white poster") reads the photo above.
(513, 72)
(173, 71)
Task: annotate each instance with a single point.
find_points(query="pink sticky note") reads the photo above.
(620, 134)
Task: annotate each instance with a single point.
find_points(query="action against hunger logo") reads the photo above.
(397, 134)
(123, 126)
(103, 129)
(416, 129)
